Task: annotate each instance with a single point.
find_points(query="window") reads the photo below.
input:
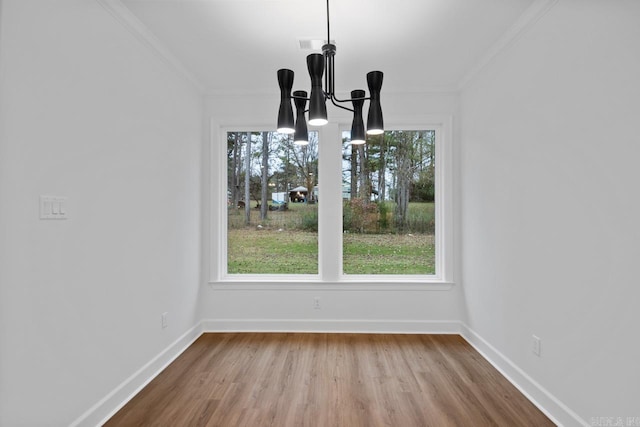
(330, 212)
(389, 204)
(272, 204)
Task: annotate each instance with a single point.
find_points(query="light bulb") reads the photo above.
(318, 122)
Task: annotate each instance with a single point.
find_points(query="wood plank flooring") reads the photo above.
(295, 379)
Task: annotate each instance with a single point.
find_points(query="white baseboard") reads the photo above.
(332, 326)
(551, 406)
(99, 413)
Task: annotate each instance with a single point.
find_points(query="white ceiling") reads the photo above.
(236, 46)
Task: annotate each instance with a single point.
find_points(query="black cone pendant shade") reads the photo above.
(301, 135)
(317, 105)
(285, 113)
(357, 125)
(375, 125)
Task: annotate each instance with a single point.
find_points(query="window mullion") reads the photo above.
(330, 205)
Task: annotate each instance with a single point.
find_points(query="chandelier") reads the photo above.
(319, 65)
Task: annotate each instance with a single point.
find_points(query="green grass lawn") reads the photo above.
(268, 251)
(287, 243)
(388, 254)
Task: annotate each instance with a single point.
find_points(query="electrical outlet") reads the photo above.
(535, 345)
(165, 320)
(316, 303)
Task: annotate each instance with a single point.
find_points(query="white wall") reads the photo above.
(89, 113)
(548, 178)
(550, 206)
(281, 308)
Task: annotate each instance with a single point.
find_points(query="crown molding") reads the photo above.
(129, 21)
(530, 16)
(132, 24)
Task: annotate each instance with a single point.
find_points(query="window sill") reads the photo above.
(308, 283)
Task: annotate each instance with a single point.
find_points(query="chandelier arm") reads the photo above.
(333, 101)
(330, 76)
(333, 75)
(367, 98)
(329, 82)
(327, 91)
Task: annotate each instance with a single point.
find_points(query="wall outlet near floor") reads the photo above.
(535, 345)
(165, 321)
(316, 303)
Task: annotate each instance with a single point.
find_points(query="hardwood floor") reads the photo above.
(294, 379)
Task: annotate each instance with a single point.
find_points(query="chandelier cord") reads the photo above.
(327, 80)
(328, 30)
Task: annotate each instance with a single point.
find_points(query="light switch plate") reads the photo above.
(53, 207)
